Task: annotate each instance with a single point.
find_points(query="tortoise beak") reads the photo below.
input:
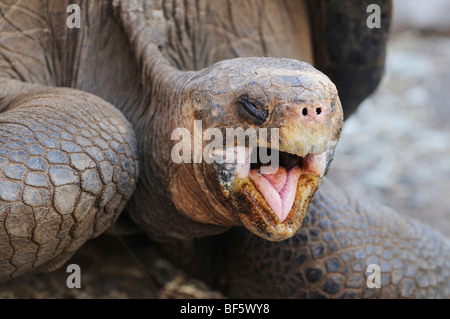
(273, 205)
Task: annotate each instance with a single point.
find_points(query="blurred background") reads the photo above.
(396, 148)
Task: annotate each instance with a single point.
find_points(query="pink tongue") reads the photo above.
(278, 189)
(278, 179)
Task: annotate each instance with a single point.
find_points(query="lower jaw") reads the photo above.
(258, 217)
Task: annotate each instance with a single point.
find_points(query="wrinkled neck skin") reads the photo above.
(162, 182)
(176, 201)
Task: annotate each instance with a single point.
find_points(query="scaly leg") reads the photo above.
(68, 165)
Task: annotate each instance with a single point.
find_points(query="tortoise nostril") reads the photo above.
(318, 110)
(304, 111)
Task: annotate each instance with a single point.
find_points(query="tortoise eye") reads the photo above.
(254, 110)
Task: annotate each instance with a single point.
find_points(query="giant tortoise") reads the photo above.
(90, 108)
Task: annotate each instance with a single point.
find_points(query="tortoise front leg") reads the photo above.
(68, 165)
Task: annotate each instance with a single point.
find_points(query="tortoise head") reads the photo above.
(264, 134)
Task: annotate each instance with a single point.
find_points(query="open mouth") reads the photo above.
(278, 185)
(274, 197)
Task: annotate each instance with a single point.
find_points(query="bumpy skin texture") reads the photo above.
(68, 166)
(329, 256)
(68, 159)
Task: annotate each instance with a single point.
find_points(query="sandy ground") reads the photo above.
(396, 148)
